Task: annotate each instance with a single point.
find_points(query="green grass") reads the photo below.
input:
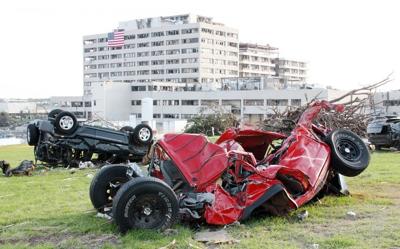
(51, 209)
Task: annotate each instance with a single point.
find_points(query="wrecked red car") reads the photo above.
(244, 172)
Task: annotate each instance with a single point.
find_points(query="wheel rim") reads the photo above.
(348, 149)
(144, 134)
(113, 188)
(148, 211)
(66, 122)
(28, 136)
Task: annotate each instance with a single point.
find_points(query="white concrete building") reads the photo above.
(251, 99)
(291, 71)
(387, 103)
(182, 49)
(257, 60)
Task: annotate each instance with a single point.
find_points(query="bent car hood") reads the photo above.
(200, 161)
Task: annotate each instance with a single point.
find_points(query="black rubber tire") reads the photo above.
(127, 129)
(354, 159)
(137, 134)
(143, 189)
(63, 130)
(100, 185)
(53, 114)
(32, 135)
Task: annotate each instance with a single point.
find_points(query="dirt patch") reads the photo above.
(91, 241)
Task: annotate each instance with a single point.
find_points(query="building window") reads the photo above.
(157, 53)
(190, 40)
(189, 60)
(209, 102)
(129, 46)
(172, 32)
(190, 102)
(157, 43)
(76, 104)
(295, 102)
(253, 102)
(138, 88)
(172, 61)
(142, 63)
(277, 102)
(143, 72)
(88, 104)
(143, 45)
(129, 37)
(190, 31)
(172, 71)
(171, 42)
(141, 36)
(190, 50)
(157, 71)
(157, 62)
(156, 115)
(190, 70)
(157, 34)
(172, 51)
(172, 116)
(136, 102)
(142, 54)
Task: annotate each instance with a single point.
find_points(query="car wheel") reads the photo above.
(32, 135)
(350, 155)
(127, 129)
(105, 185)
(66, 123)
(143, 134)
(53, 114)
(145, 203)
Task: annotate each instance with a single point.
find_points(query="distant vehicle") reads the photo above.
(384, 132)
(62, 140)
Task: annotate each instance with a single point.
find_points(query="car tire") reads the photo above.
(142, 134)
(145, 203)
(53, 114)
(350, 155)
(101, 192)
(32, 135)
(127, 129)
(66, 123)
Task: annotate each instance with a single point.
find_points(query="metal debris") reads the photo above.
(215, 237)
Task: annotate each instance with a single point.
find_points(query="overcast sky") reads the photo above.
(346, 43)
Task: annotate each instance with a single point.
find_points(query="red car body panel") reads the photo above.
(303, 156)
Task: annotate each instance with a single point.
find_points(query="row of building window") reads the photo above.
(394, 102)
(162, 43)
(162, 62)
(166, 33)
(163, 52)
(208, 102)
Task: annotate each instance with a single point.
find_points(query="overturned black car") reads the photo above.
(61, 140)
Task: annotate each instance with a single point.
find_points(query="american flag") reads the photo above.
(116, 38)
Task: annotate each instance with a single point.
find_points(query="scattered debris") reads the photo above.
(351, 215)
(170, 232)
(314, 246)
(170, 245)
(215, 237)
(302, 215)
(104, 216)
(85, 165)
(26, 167)
(89, 176)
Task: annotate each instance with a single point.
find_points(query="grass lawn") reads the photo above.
(51, 209)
